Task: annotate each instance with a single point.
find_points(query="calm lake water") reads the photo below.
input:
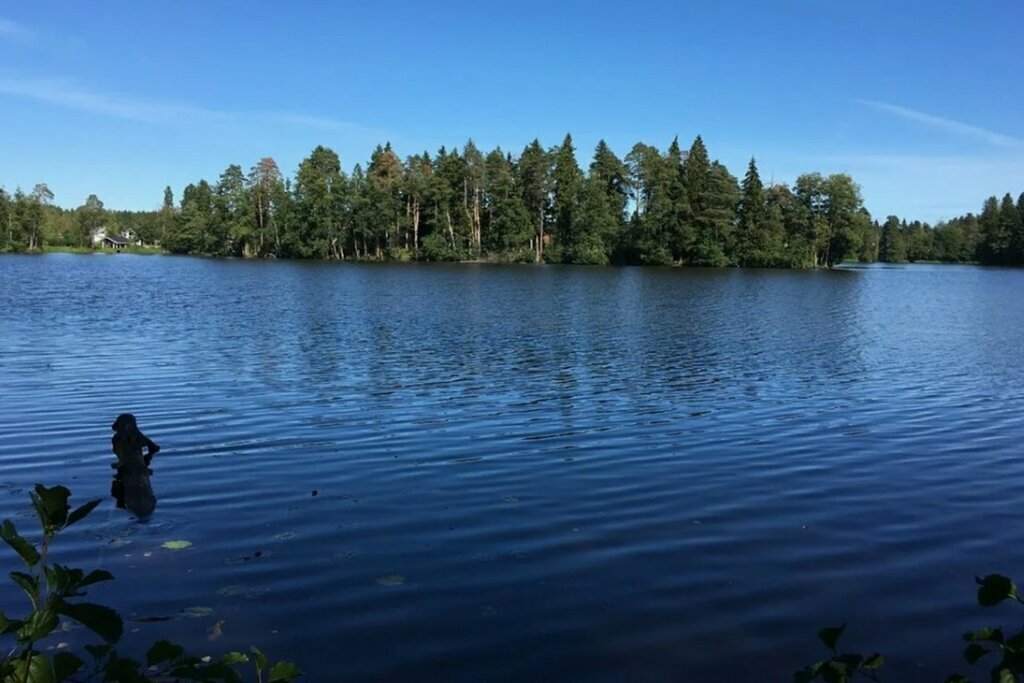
(529, 473)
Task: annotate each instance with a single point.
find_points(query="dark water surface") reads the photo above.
(534, 473)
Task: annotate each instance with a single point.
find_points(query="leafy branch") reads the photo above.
(53, 590)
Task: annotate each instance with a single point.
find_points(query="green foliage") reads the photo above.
(993, 590)
(677, 207)
(53, 591)
(840, 667)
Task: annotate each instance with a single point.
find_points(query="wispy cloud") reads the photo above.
(325, 124)
(948, 125)
(12, 30)
(64, 93)
(72, 95)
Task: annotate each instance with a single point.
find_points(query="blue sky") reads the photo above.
(919, 101)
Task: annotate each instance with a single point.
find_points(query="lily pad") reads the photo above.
(176, 545)
(391, 580)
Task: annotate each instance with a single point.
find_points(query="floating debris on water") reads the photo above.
(215, 631)
(242, 559)
(391, 580)
(236, 591)
(195, 612)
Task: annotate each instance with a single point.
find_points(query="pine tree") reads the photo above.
(567, 179)
(384, 176)
(1009, 229)
(1018, 236)
(709, 190)
(535, 186)
(994, 241)
(752, 239)
(6, 220)
(508, 225)
(319, 202)
(611, 176)
(893, 249)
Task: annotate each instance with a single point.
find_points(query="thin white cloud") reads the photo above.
(327, 124)
(12, 30)
(314, 121)
(71, 95)
(950, 126)
(68, 94)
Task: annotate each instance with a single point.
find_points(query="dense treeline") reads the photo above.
(652, 207)
(996, 236)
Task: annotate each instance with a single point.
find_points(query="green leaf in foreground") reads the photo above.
(234, 658)
(873, 662)
(163, 651)
(103, 621)
(80, 512)
(66, 665)
(27, 551)
(283, 671)
(974, 652)
(259, 658)
(995, 588)
(830, 635)
(33, 667)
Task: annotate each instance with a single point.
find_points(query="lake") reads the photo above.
(528, 473)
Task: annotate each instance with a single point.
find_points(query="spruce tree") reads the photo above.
(535, 188)
(893, 249)
(751, 240)
(507, 222)
(567, 181)
(994, 241)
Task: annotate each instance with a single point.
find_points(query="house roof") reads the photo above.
(116, 239)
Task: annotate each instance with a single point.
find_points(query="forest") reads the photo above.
(672, 207)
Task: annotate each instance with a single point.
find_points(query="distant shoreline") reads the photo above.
(158, 251)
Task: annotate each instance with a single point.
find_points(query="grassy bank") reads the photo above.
(50, 249)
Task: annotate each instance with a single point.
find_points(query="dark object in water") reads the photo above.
(131, 487)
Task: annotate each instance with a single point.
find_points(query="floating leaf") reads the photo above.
(196, 612)
(390, 580)
(176, 545)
